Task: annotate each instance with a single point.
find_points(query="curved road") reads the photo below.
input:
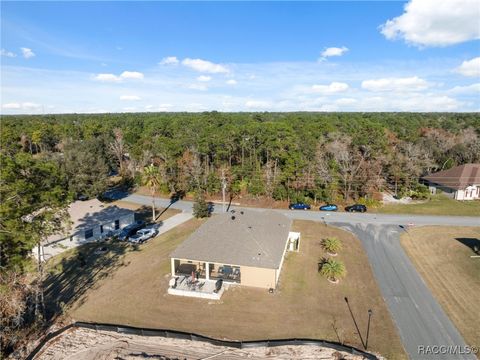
(420, 320)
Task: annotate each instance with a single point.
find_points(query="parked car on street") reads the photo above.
(329, 207)
(131, 229)
(142, 235)
(299, 206)
(356, 208)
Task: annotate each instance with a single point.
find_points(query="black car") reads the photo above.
(356, 208)
(131, 229)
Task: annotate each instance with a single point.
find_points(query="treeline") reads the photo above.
(285, 156)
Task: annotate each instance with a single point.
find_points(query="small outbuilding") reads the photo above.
(244, 247)
(460, 182)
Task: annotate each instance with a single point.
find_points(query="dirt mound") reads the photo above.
(85, 344)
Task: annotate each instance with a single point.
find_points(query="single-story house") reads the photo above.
(90, 220)
(460, 182)
(244, 247)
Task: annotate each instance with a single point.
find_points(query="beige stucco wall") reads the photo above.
(257, 277)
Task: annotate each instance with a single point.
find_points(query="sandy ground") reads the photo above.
(86, 344)
(390, 199)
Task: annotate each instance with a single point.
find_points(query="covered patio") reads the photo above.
(205, 270)
(193, 287)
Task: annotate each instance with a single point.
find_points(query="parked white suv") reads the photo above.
(142, 235)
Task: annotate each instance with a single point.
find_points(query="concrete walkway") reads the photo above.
(173, 221)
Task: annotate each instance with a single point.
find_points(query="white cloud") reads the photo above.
(204, 66)
(126, 75)
(231, 82)
(27, 53)
(130, 97)
(11, 106)
(169, 60)
(8, 53)
(204, 78)
(426, 103)
(435, 23)
(332, 88)
(346, 101)
(160, 108)
(199, 87)
(277, 88)
(30, 106)
(257, 104)
(413, 83)
(196, 107)
(129, 109)
(333, 51)
(470, 67)
(132, 75)
(468, 89)
(22, 106)
(107, 78)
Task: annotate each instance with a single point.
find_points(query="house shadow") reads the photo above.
(68, 281)
(472, 243)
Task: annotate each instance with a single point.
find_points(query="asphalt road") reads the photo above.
(420, 320)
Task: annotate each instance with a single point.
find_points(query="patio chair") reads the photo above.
(218, 285)
(236, 273)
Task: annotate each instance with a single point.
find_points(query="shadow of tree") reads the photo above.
(144, 213)
(472, 243)
(68, 281)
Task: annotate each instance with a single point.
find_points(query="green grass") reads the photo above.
(437, 205)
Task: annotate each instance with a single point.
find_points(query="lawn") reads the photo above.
(437, 205)
(132, 289)
(442, 256)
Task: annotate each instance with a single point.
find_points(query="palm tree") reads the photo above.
(151, 178)
(333, 270)
(332, 245)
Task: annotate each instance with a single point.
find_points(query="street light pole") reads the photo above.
(355, 323)
(368, 327)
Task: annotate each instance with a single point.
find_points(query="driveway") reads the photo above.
(174, 221)
(418, 316)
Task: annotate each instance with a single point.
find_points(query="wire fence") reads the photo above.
(130, 330)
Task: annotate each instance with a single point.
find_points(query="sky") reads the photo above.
(94, 57)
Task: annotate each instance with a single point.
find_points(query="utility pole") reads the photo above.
(224, 187)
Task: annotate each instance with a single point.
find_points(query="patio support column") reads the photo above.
(207, 270)
(172, 266)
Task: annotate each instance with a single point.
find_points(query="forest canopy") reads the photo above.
(305, 156)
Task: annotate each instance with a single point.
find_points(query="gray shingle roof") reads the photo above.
(253, 238)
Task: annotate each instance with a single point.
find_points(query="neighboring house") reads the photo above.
(460, 183)
(240, 247)
(91, 220)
